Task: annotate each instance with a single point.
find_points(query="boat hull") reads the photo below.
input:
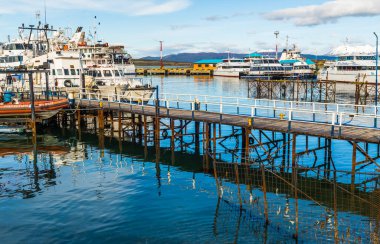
(22, 112)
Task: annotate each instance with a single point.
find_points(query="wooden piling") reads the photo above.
(33, 110)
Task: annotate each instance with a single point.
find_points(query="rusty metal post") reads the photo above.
(353, 169)
(206, 145)
(181, 134)
(32, 108)
(145, 137)
(133, 118)
(140, 134)
(79, 118)
(265, 194)
(336, 231)
(172, 137)
(237, 181)
(214, 141)
(119, 126)
(112, 120)
(295, 185)
(157, 132)
(197, 131)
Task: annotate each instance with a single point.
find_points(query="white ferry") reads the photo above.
(296, 65)
(265, 68)
(351, 68)
(232, 67)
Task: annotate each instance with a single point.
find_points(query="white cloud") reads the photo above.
(328, 12)
(130, 7)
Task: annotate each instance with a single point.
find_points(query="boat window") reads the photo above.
(66, 71)
(78, 73)
(366, 57)
(19, 46)
(59, 71)
(117, 73)
(53, 71)
(107, 73)
(346, 58)
(72, 72)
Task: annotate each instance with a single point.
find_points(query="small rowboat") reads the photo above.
(22, 112)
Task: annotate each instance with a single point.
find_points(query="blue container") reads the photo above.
(8, 97)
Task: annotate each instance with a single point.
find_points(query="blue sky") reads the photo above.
(207, 25)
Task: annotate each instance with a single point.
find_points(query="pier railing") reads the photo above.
(308, 112)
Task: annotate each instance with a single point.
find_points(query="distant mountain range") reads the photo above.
(194, 57)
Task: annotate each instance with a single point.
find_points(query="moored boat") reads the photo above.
(21, 111)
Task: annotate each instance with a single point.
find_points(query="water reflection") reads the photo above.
(143, 182)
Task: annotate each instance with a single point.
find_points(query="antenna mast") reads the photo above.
(161, 55)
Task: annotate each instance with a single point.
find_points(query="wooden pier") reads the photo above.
(282, 115)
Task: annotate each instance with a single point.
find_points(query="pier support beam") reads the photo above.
(101, 119)
(32, 108)
(295, 185)
(353, 169)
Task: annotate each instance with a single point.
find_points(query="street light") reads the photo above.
(377, 62)
(276, 33)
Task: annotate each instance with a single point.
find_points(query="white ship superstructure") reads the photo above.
(232, 67)
(351, 68)
(101, 53)
(266, 68)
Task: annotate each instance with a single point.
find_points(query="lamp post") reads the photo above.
(276, 33)
(377, 62)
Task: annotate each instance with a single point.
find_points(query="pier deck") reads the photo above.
(327, 130)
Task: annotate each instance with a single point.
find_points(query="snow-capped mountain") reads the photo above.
(348, 50)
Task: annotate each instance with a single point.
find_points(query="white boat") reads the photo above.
(108, 83)
(296, 65)
(101, 53)
(298, 69)
(351, 68)
(12, 54)
(266, 68)
(232, 67)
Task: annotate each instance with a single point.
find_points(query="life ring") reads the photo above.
(165, 134)
(251, 141)
(67, 83)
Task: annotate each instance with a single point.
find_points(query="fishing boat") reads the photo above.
(21, 111)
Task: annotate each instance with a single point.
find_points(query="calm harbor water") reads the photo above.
(75, 189)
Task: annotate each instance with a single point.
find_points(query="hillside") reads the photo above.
(194, 57)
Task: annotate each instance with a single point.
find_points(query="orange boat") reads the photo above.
(22, 111)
